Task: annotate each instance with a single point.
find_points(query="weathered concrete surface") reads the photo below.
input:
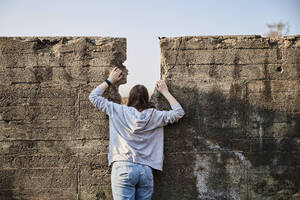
(240, 137)
(53, 142)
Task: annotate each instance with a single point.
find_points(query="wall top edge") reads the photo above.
(230, 36)
(60, 37)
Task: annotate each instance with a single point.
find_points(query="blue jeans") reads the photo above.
(131, 181)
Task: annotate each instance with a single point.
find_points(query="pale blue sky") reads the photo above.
(141, 22)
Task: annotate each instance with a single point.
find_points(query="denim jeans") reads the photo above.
(132, 181)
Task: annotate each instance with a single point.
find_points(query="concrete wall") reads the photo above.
(240, 137)
(53, 142)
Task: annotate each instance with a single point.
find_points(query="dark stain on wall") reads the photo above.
(267, 83)
(221, 144)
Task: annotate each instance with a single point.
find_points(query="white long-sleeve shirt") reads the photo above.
(135, 136)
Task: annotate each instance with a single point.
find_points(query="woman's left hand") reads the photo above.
(115, 75)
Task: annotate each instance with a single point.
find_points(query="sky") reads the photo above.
(142, 22)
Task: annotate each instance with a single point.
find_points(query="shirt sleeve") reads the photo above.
(103, 104)
(164, 117)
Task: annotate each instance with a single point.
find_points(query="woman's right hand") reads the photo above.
(161, 86)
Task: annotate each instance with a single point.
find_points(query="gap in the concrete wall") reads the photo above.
(143, 63)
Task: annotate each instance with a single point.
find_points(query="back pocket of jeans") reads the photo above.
(123, 173)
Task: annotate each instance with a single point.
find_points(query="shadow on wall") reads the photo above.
(6, 181)
(226, 148)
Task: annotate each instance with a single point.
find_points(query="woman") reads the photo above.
(135, 137)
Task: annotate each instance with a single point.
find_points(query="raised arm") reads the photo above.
(164, 117)
(98, 100)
